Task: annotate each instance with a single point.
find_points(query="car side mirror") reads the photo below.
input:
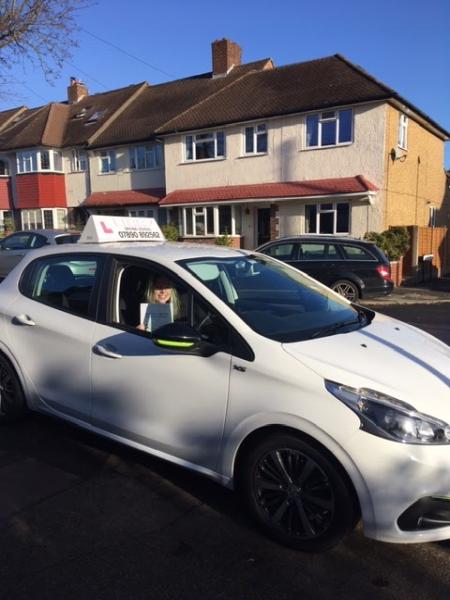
(181, 337)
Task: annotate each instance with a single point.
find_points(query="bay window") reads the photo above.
(203, 146)
(329, 128)
(329, 218)
(33, 161)
(44, 218)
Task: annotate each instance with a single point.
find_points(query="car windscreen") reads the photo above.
(275, 300)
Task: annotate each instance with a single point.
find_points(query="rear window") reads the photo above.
(67, 239)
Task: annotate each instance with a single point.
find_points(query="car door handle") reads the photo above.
(107, 351)
(23, 320)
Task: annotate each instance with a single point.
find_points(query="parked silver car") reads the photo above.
(13, 247)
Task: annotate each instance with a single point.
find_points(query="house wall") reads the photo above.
(287, 159)
(37, 190)
(5, 193)
(417, 181)
(77, 183)
(124, 178)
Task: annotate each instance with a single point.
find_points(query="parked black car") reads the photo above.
(353, 268)
(13, 247)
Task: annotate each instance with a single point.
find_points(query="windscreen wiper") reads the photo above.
(331, 329)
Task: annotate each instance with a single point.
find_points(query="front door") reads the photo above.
(263, 223)
(171, 402)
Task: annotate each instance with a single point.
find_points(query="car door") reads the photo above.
(50, 328)
(171, 402)
(14, 247)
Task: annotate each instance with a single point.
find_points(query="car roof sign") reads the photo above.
(103, 228)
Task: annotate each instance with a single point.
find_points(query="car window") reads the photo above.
(146, 298)
(37, 241)
(356, 253)
(274, 300)
(281, 251)
(67, 239)
(18, 241)
(64, 282)
(313, 251)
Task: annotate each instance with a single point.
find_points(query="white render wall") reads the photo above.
(124, 178)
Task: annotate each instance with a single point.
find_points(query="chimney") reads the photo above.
(225, 55)
(76, 91)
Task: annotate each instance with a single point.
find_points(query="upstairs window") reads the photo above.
(39, 160)
(146, 157)
(329, 128)
(78, 160)
(403, 132)
(256, 139)
(107, 161)
(205, 146)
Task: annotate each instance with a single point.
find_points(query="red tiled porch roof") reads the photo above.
(125, 198)
(290, 189)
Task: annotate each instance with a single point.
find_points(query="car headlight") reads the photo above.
(390, 418)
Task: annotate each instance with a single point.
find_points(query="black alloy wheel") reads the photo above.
(347, 289)
(12, 400)
(298, 494)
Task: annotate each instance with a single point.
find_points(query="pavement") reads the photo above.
(434, 292)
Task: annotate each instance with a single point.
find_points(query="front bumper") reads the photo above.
(405, 491)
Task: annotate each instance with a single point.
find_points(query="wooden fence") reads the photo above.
(431, 242)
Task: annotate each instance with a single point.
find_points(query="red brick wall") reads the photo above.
(5, 194)
(41, 190)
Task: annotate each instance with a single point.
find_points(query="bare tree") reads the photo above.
(39, 31)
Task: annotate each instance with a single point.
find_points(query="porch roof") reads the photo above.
(125, 198)
(265, 191)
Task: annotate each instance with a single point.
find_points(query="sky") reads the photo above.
(404, 43)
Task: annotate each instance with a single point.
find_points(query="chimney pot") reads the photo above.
(225, 55)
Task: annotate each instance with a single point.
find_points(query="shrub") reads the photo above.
(224, 240)
(170, 232)
(395, 242)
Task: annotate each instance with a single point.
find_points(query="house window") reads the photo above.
(148, 213)
(403, 132)
(256, 139)
(107, 161)
(31, 219)
(39, 160)
(78, 161)
(205, 146)
(146, 157)
(4, 168)
(46, 218)
(211, 220)
(329, 128)
(327, 218)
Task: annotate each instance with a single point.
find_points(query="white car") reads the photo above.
(319, 411)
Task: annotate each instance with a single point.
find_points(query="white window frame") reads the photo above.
(78, 161)
(198, 211)
(334, 209)
(403, 132)
(111, 158)
(212, 138)
(258, 130)
(321, 120)
(29, 218)
(30, 161)
(152, 157)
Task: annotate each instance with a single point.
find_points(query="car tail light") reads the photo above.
(384, 271)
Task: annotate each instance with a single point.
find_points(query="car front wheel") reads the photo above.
(347, 289)
(12, 400)
(298, 494)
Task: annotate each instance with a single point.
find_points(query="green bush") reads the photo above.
(224, 240)
(170, 232)
(395, 242)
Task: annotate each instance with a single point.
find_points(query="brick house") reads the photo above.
(251, 150)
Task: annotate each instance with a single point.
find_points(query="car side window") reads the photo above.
(67, 239)
(282, 251)
(17, 241)
(313, 251)
(37, 241)
(356, 253)
(63, 282)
